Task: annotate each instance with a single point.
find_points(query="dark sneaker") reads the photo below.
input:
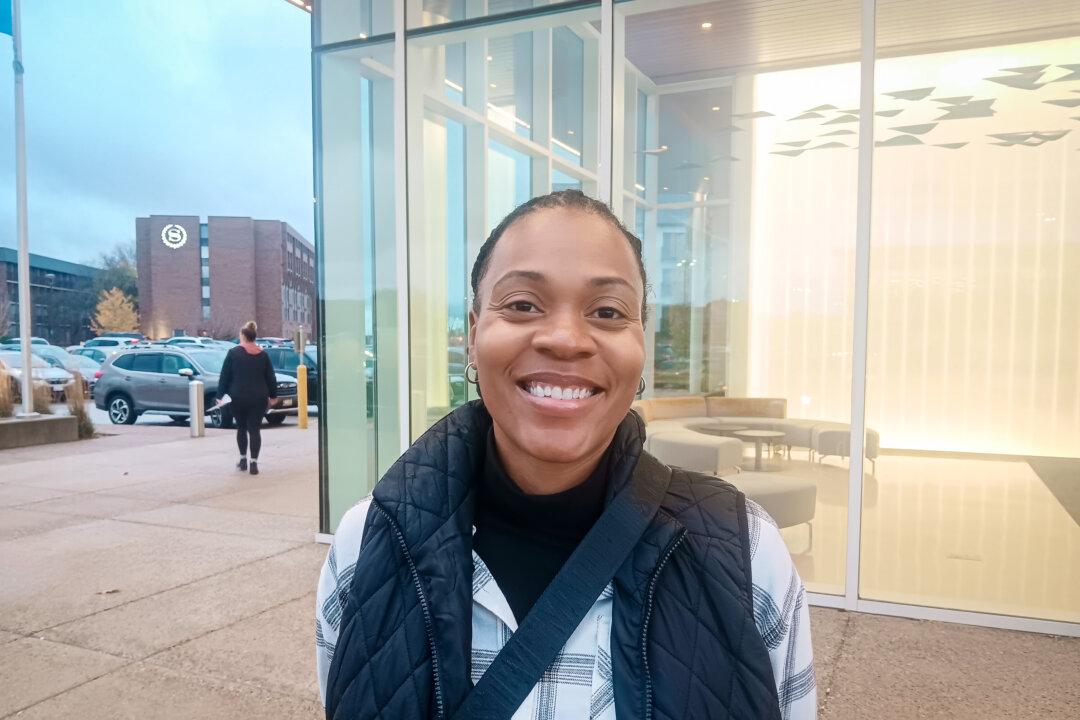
(254, 468)
(242, 465)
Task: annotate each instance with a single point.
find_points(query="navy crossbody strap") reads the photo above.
(562, 606)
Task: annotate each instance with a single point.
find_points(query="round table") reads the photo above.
(717, 428)
(759, 436)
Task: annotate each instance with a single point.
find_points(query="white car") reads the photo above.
(56, 378)
(190, 341)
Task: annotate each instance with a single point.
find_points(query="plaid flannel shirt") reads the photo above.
(579, 683)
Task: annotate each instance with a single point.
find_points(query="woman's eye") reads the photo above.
(609, 313)
(522, 306)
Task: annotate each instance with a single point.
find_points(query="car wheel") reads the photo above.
(221, 419)
(276, 419)
(121, 411)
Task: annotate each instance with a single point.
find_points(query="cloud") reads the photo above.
(153, 106)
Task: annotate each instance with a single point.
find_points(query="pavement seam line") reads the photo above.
(203, 530)
(150, 658)
(826, 689)
(73, 687)
(175, 587)
(154, 659)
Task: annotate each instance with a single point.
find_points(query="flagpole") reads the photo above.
(20, 209)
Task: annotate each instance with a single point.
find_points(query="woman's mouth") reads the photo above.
(558, 398)
(557, 392)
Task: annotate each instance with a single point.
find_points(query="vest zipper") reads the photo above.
(648, 616)
(429, 626)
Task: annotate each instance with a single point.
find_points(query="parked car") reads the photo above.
(104, 341)
(285, 361)
(59, 354)
(137, 336)
(14, 340)
(56, 378)
(90, 369)
(155, 380)
(98, 354)
(267, 342)
(190, 341)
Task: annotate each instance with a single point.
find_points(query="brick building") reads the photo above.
(216, 275)
(61, 298)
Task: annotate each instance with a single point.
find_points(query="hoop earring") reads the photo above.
(475, 379)
(641, 386)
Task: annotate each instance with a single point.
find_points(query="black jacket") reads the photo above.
(683, 639)
(246, 378)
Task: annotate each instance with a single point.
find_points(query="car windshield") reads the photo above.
(86, 362)
(209, 360)
(15, 360)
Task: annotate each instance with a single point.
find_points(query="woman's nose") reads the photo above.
(565, 336)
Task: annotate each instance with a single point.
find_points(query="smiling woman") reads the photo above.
(550, 565)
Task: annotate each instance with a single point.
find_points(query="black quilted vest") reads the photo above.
(683, 639)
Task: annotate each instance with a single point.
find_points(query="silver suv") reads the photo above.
(155, 380)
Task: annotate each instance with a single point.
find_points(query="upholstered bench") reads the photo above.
(710, 454)
(788, 500)
(836, 440)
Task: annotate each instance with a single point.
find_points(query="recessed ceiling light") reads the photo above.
(716, 108)
(569, 132)
(706, 177)
(492, 86)
(663, 147)
(665, 187)
(489, 58)
(362, 36)
(706, 25)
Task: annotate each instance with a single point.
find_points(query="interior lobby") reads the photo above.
(907, 300)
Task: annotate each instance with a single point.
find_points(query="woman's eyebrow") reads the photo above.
(533, 276)
(609, 280)
(530, 275)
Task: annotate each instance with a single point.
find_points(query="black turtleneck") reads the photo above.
(525, 539)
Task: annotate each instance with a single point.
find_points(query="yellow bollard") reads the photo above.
(301, 395)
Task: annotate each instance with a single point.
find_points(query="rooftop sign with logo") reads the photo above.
(174, 236)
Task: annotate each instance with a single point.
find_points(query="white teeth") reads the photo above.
(558, 393)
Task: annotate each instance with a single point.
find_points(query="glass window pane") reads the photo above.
(340, 20)
(973, 384)
(744, 195)
(481, 144)
(147, 362)
(356, 235)
(437, 12)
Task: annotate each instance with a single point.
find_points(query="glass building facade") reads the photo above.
(866, 210)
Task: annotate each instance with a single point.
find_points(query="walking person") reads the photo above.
(526, 558)
(248, 379)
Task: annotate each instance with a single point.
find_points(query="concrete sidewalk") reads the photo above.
(143, 577)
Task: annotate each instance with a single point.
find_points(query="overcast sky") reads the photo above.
(136, 107)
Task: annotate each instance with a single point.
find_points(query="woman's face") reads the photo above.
(559, 344)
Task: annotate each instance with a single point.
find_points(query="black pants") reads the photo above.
(248, 418)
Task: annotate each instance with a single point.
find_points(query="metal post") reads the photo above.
(20, 210)
(196, 408)
(301, 395)
(299, 344)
